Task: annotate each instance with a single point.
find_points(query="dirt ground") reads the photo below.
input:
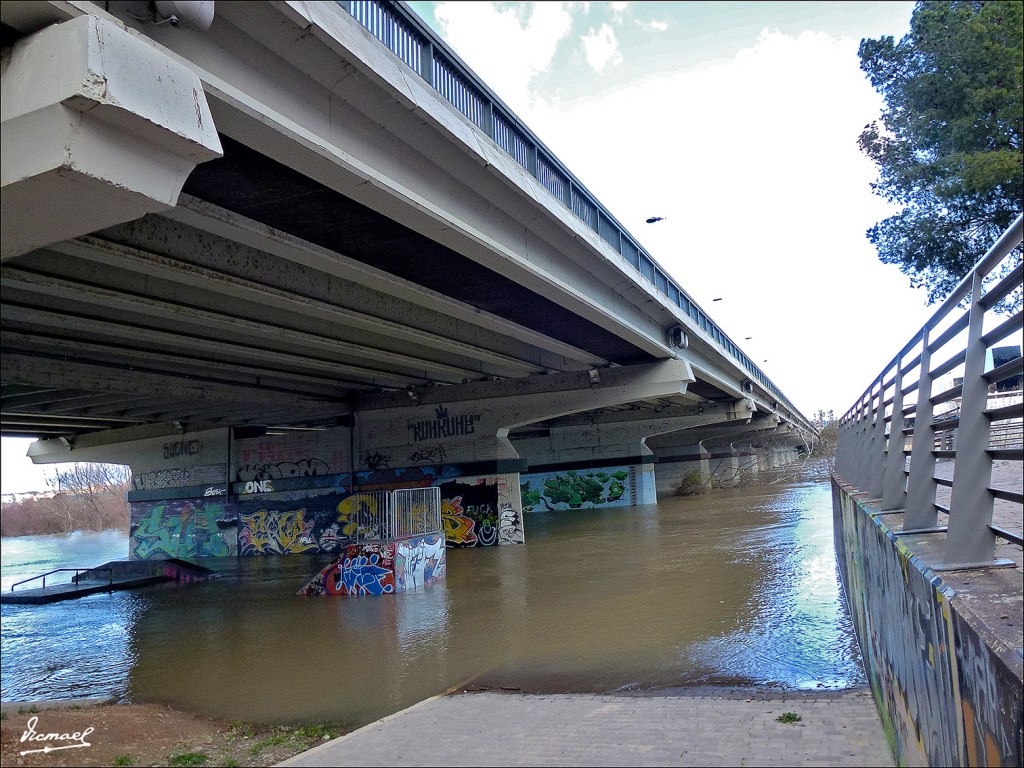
(145, 735)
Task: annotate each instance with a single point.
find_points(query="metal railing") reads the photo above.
(974, 422)
(419, 47)
(389, 515)
(74, 579)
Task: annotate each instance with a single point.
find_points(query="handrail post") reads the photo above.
(894, 485)
(921, 511)
(970, 540)
(876, 457)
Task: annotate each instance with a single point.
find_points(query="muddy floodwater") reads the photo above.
(736, 587)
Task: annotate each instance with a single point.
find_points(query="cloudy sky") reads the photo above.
(738, 123)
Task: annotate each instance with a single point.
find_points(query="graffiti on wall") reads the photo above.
(164, 478)
(554, 491)
(469, 513)
(510, 525)
(419, 561)
(320, 522)
(282, 469)
(475, 510)
(912, 663)
(990, 701)
(359, 518)
(186, 528)
(364, 569)
(276, 532)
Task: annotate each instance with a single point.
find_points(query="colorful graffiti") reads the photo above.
(458, 529)
(470, 513)
(186, 528)
(275, 532)
(910, 663)
(554, 491)
(419, 561)
(944, 696)
(359, 518)
(320, 522)
(990, 699)
(364, 569)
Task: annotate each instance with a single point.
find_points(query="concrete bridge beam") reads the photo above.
(620, 435)
(100, 120)
(473, 421)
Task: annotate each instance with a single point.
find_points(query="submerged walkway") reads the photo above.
(712, 727)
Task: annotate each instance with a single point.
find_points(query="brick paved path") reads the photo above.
(729, 729)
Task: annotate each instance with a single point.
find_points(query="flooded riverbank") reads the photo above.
(738, 586)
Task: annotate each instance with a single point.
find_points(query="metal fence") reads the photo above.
(389, 515)
(414, 511)
(947, 395)
(424, 52)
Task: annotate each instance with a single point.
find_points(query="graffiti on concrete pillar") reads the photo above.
(310, 467)
(183, 528)
(510, 525)
(555, 491)
(435, 454)
(471, 515)
(164, 478)
(443, 425)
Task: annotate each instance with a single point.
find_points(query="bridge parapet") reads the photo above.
(937, 605)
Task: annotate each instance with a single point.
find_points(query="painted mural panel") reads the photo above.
(183, 528)
(364, 569)
(419, 561)
(572, 489)
(312, 522)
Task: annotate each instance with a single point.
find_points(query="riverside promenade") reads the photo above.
(699, 727)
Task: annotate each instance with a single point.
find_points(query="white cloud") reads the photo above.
(655, 25)
(528, 48)
(601, 48)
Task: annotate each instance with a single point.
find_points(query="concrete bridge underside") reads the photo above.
(264, 252)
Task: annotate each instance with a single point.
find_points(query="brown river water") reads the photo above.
(737, 587)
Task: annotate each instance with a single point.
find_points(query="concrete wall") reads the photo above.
(948, 692)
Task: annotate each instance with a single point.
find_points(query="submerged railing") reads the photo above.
(74, 579)
(967, 407)
(425, 53)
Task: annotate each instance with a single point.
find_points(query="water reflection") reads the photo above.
(739, 586)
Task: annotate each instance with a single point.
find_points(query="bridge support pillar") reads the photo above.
(464, 432)
(601, 459)
(691, 459)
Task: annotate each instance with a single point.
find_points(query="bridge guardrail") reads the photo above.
(968, 407)
(405, 35)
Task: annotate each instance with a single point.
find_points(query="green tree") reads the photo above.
(949, 143)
